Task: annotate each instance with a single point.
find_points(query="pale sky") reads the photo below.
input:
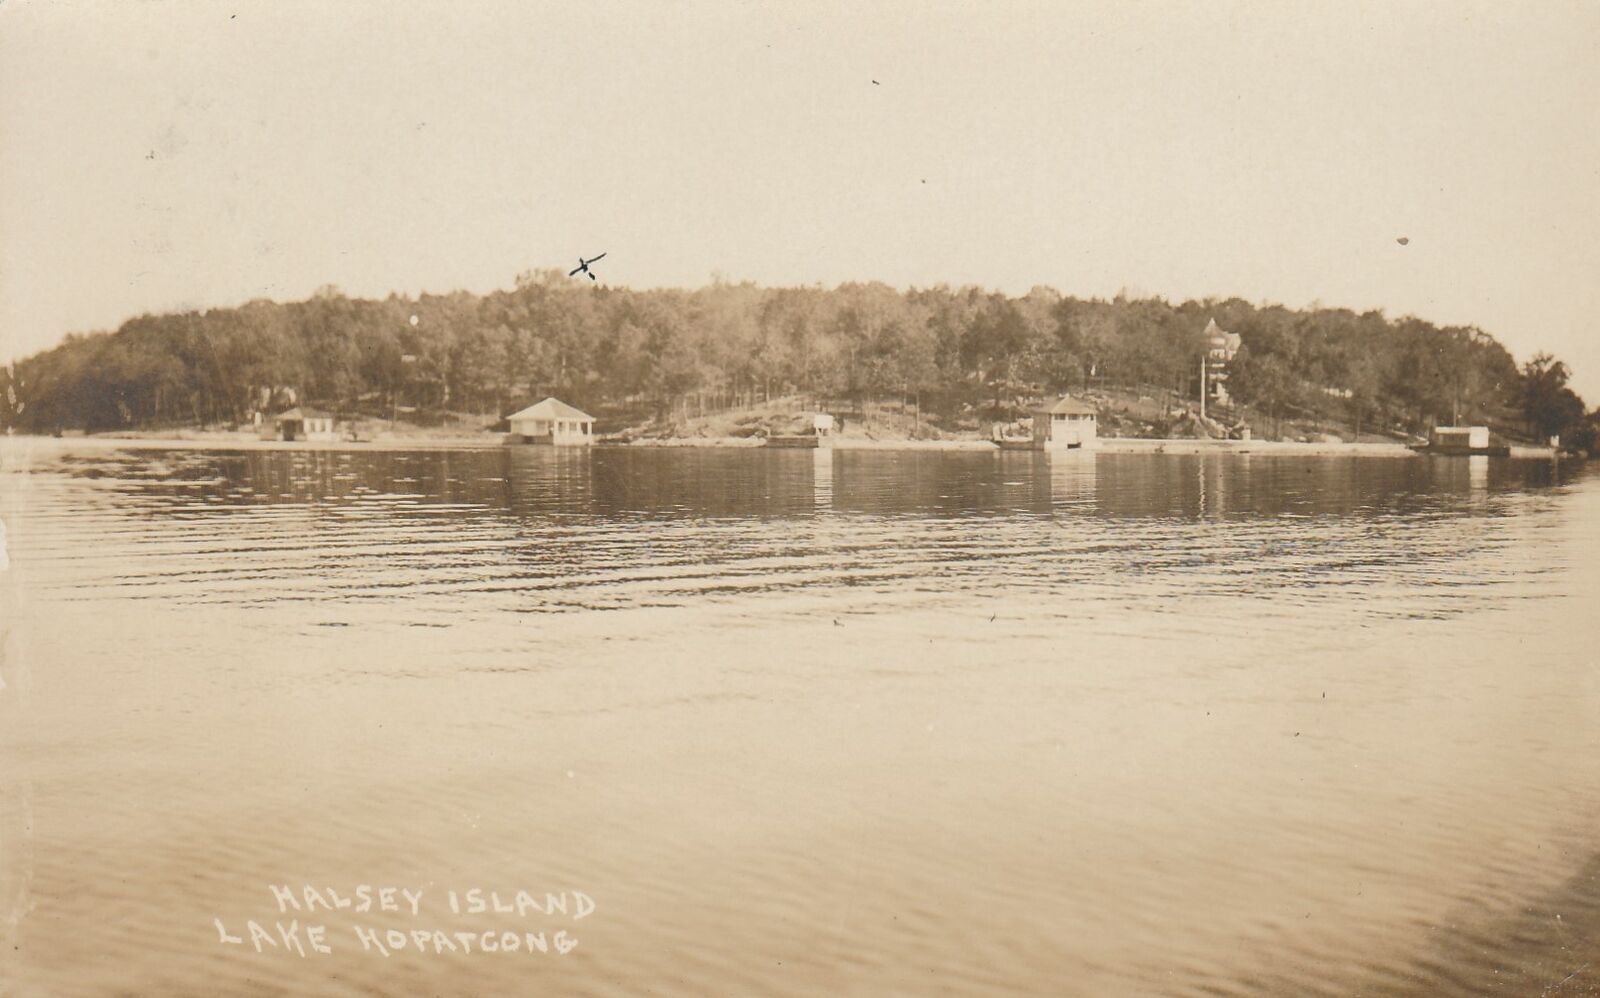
(166, 155)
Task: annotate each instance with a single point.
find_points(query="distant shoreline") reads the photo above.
(1108, 445)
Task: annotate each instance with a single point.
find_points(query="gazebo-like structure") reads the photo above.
(551, 422)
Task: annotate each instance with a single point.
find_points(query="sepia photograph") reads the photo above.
(737, 498)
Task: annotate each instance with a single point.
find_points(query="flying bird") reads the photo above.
(583, 267)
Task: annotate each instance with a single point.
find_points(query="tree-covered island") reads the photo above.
(925, 363)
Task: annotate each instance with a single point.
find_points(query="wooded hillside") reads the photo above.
(597, 346)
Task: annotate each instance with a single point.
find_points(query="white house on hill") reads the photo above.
(1221, 347)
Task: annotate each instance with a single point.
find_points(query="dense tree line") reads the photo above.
(598, 347)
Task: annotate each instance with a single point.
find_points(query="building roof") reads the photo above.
(1220, 339)
(551, 408)
(1066, 405)
(300, 413)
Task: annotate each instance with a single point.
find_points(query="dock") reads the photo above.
(1491, 450)
(809, 441)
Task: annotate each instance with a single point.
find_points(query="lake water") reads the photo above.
(864, 723)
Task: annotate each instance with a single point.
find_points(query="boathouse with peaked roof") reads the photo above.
(551, 422)
(300, 423)
(1066, 423)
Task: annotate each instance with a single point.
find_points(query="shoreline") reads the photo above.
(1107, 445)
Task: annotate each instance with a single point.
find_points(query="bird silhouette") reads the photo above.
(583, 267)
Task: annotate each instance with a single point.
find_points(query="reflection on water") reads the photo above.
(655, 483)
(822, 478)
(1478, 474)
(810, 720)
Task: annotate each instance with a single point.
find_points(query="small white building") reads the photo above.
(1459, 437)
(1065, 423)
(551, 422)
(300, 424)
